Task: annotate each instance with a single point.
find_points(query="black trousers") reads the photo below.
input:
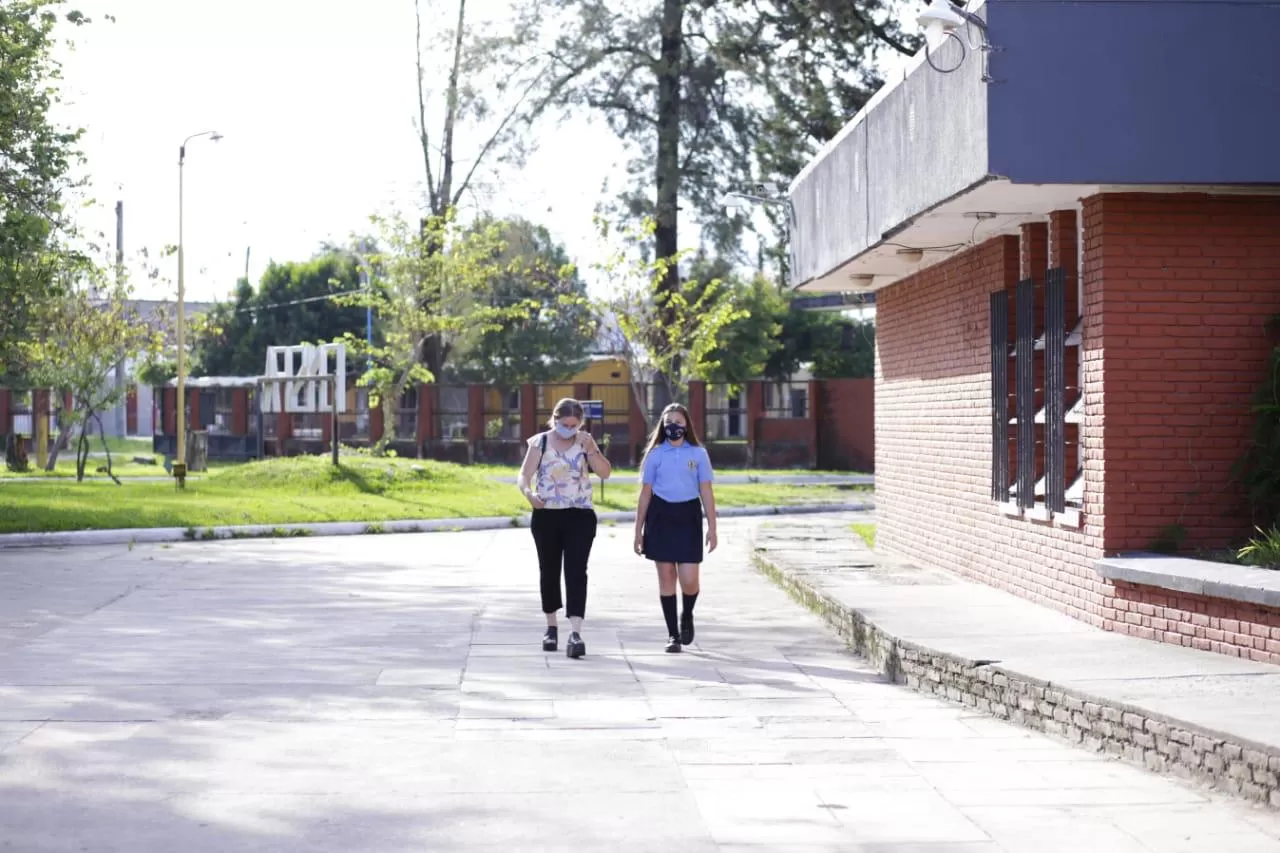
(564, 537)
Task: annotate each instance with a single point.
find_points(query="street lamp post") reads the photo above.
(180, 464)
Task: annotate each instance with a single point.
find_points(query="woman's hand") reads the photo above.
(639, 544)
(535, 503)
(712, 541)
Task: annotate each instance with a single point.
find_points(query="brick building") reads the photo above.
(1073, 258)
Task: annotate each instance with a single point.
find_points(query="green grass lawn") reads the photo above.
(122, 452)
(310, 489)
(867, 532)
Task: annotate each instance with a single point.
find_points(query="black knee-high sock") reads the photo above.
(669, 612)
(689, 601)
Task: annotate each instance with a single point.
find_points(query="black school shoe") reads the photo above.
(673, 645)
(551, 640)
(686, 629)
(575, 648)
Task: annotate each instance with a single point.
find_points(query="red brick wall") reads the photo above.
(1231, 628)
(1185, 282)
(933, 441)
(846, 410)
(1176, 289)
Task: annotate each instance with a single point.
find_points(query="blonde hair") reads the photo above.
(566, 408)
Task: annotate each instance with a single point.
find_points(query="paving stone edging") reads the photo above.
(155, 535)
(1218, 760)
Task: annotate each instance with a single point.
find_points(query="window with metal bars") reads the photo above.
(1029, 462)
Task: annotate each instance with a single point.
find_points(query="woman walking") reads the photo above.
(556, 480)
(676, 490)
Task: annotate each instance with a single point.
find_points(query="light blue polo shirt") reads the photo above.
(675, 473)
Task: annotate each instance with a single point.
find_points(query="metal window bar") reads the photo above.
(1055, 390)
(786, 400)
(407, 415)
(726, 413)
(452, 413)
(502, 413)
(353, 424)
(223, 408)
(1025, 305)
(1000, 396)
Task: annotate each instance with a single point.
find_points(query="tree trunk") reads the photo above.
(667, 177)
(63, 442)
(107, 447)
(82, 448)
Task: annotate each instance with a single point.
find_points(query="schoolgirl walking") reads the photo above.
(676, 491)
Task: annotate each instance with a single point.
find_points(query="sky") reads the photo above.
(315, 99)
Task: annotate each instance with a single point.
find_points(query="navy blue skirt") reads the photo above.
(673, 531)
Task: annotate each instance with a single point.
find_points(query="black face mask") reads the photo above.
(674, 432)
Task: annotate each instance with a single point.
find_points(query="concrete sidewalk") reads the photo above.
(1195, 714)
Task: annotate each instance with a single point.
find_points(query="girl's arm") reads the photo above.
(642, 508)
(705, 476)
(527, 470)
(709, 504)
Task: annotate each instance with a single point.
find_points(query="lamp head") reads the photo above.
(732, 203)
(215, 136)
(939, 19)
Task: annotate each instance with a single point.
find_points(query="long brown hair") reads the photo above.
(659, 436)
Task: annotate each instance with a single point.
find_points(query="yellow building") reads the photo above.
(609, 374)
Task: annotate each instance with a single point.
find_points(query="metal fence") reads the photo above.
(452, 413)
(786, 399)
(502, 413)
(407, 415)
(726, 413)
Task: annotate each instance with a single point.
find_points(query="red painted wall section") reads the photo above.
(1181, 286)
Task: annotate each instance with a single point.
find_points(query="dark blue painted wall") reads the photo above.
(1136, 92)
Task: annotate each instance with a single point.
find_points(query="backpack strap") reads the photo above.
(544, 444)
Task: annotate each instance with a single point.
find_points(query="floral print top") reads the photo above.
(563, 480)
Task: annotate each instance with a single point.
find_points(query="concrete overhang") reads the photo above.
(1071, 100)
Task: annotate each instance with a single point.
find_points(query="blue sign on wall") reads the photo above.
(593, 409)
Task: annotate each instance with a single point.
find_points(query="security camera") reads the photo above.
(938, 20)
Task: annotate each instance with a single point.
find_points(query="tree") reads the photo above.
(290, 306)
(429, 285)
(497, 82)
(554, 341)
(82, 338)
(36, 157)
(748, 345)
(705, 93)
(831, 344)
(668, 337)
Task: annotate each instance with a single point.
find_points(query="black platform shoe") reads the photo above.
(575, 648)
(673, 645)
(686, 629)
(551, 639)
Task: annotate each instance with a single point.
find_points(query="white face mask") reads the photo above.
(566, 432)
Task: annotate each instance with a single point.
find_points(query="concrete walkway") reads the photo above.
(1167, 708)
(384, 694)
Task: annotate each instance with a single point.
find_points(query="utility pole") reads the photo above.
(122, 414)
(247, 249)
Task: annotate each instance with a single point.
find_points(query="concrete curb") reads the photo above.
(152, 535)
(1153, 741)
